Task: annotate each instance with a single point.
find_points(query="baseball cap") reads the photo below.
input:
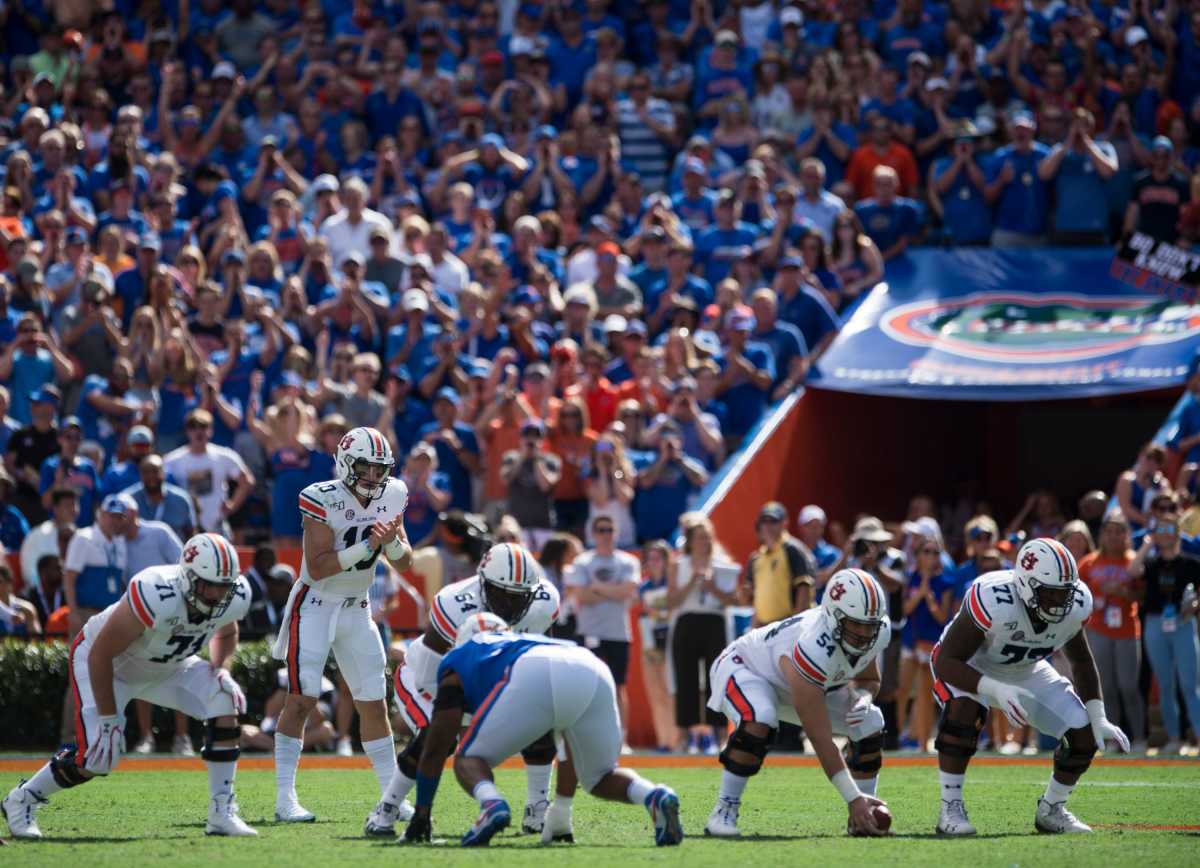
(726, 38)
(526, 295)
(233, 255)
(608, 248)
(446, 393)
(772, 510)
(614, 322)
(871, 529)
(140, 435)
(937, 83)
(578, 295)
(423, 449)
(920, 58)
(76, 235)
(492, 58)
(414, 299)
(70, 422)
(224, 69)
(492, 140)
(742, 322)
(635, 327)
(46, 395)
(118, 504)
(790, 262)
(150, 241)
(812, 512)
(325, 184)
(544, 132)
(791, 16)
(480, 368)
(1162, 143)
(533, 426)
(601, 224)
(1134, 35)
(282, 573)
(924, 526)
(1024, 119)
(693, 164)
(354, 257)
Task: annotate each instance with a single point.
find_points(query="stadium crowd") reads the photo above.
(564, 255)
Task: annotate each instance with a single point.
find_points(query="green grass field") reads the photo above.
(789, 814)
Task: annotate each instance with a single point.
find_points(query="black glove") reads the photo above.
(420, 829)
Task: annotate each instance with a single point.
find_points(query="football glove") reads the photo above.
(1101, 727)
(1006, 698)
(105, 748)
(420, 828)
(228, 685)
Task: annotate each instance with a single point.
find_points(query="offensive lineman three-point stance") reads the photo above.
(993, 655)
(347, 523)
(517, 687)
(816, 669)
(510, 585)
(144, 646)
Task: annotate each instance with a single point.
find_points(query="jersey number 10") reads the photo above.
(352, 536)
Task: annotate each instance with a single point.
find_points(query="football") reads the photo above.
(883, 817)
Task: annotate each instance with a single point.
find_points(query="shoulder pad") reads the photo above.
(314, 500)
(397, 493)
(806, 660)
(445, 613)
(991, 598)
(152, 597)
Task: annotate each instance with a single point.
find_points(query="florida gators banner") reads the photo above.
(1007, 325)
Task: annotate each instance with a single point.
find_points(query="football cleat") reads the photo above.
(181, 745)
(1055, 819)
(382, 821)
(494, 817)
(557, 826)
(292, 812)
(146, 745)
(953, 819)
(223, 818)
(535, 817)
(722, 822)
(20, 809)
(663, 805)
(345, 747)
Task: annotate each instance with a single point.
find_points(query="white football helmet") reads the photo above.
(208, 557)
(482, 622)
(853, 596)
(1046, 576)
(508, 577)
(364, 462)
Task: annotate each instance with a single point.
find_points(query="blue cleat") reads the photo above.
(663, 805)
(494, 817)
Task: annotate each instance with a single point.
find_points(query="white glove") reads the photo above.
(228, 685)
(1007, 698)
(859, 708)
(1101, 727)
(105, 747)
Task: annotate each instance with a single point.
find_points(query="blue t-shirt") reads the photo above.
(81, 476)
(785, 342)
(656, 510)
(1024, 202)
(118, 477)
(809, 311)
(483, 665)
(967, 214)
(13, 527)
(887, 224)
(291, 471)
(745, 401)
(697, 213)
(102, 427)
(1081, 195)
(410, 419)
(835, 167)
(30, 371)
(921, 626)
(449, 463)
(420, 518)
(717, 249)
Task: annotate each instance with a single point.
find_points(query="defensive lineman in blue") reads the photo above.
(517, 687)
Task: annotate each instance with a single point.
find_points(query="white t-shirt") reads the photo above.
(206, 477)
(344, 236)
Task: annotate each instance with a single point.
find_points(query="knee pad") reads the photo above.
(866, 755)
(408, 758)
(541, 752)
(755, 745)
(66, 773)
(963, 737)
(1074, 756)
(213, 733)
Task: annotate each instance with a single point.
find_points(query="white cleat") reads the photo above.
(722, 822)
(20, 809)
(556, 825)
(223, 818)
(292, 812)
(383, 818)
(534, 818)
(145, 746)
(345, 747)
(181, 745)
(1055, 819)
(953, 819)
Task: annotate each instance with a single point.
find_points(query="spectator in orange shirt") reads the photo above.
(1114, 631)
(538, 396)
(498, 428)
(646, 386)
(572, 441)
(598, 393)
(881, 150)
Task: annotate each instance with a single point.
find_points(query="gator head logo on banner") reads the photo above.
(1026, 328)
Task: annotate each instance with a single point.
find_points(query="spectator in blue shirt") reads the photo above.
(1020, 196)
(1080, 168)
(667, 479)
(810, 529)
(30, 362)
(660, 301)
(139, 443)
(829, 140)
(721, 74)
(748, 372)
(456, 446)
(694, 203)
(956, 191)
(725, 242)
(805, 307)
(428, 493)
(897, 109)
(71, 470)
(788, 349)
(892, 222)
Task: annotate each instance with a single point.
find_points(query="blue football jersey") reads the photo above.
(484, 662)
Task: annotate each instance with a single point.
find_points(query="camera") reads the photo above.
(862, 548)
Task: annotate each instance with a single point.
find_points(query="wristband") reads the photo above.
(426, 789)
(846, 786)
(1095, 710)
(397, 550)
(360, 551)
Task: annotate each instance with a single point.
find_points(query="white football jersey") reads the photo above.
(457, 602)
(807, 641)
(155, 596)
(1012, 645)
(332, 503)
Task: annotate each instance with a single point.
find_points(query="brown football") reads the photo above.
(883, 817)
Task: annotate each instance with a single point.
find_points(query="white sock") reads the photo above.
(732, 786)
(220, 777)
(401, 785)
(382, 753)
(639, 790)
(287, 760)
(43, 784)
(952, 786)
(867, 786)
(1057, 793)
(537, 779)
(563, 803)
(485, 791)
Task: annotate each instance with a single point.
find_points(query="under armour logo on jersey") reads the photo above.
(381, 508)
(837, 592)
(190, 554)
(1029, 561)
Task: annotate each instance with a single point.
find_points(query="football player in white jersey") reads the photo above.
(994, 655)
(816, 669)
(145, 646)
(509, 584)
(348, 523)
